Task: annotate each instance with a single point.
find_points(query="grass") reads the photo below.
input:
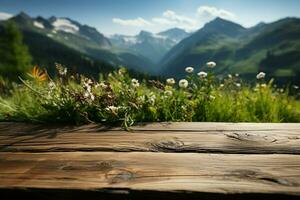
(120, 99)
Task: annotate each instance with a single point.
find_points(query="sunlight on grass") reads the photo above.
(119, 98)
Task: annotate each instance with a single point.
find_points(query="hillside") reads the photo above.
(83, 39)
(273, 48)
(52, 52)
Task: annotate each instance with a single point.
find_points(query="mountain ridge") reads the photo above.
(237, 49)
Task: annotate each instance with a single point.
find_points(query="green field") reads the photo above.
(119, 98)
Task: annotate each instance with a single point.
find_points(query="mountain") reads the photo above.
(273, 48)
(84, 39)
(175, 34)
(51, 52)
(63, 29)
(150, 45)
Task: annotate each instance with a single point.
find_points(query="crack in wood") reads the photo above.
(261, 176)
(88, 165)
(252, 137)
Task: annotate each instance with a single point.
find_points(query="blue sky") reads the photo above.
(131, 16)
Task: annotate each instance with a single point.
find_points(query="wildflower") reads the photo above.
(37, 74)
(87, 85)
(141, 98)
(112, 109)
(296, 87)
(281, 90)
(221, 85)
(260, 75)
(189, 69)
(61, 70)
(238, 85)
(170, 81)
(183, 83)
(101, 85)
(89, 81)
(237, 75)
(121, 71)
(168, 93)
(211, 64)
(51, 85)
(135, 83)
(152, 101)
(202, 74)
(89, 95)
(152, 98)
(229, 76)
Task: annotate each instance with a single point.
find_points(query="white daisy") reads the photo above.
(135, 83)
(211, 64)
(202, 74)
(189, 69)
(260, 75)
(183, 83)
(170, 81)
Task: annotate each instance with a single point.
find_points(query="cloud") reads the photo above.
(5, 16)
(171, 19)
(202, 15)
(138, 22)
(209, 13)
(169, 14)
(163, 21)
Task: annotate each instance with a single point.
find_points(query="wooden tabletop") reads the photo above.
(152, 161)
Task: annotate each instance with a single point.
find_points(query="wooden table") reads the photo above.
(152, 161)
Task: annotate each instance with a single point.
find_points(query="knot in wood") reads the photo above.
(167, 145)
(119, 175)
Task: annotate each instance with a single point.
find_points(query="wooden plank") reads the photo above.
(190, 172)
(46, 139)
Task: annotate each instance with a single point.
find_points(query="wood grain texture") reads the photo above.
(90, 138)
(214, 173)
(152, 161)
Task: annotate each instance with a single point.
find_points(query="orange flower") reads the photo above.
(37, 74)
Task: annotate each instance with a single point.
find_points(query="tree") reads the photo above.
(15, 59)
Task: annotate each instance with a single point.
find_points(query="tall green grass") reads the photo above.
(120, 99)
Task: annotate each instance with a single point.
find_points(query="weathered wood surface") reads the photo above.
(177, 160)
(207, 138)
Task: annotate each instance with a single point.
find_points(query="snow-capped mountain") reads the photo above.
(68, 26)
(151, 45)
(175, 34)
(62, 24)
(58, 31)
(139, 52)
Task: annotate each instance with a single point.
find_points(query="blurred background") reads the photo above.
(152, 37)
